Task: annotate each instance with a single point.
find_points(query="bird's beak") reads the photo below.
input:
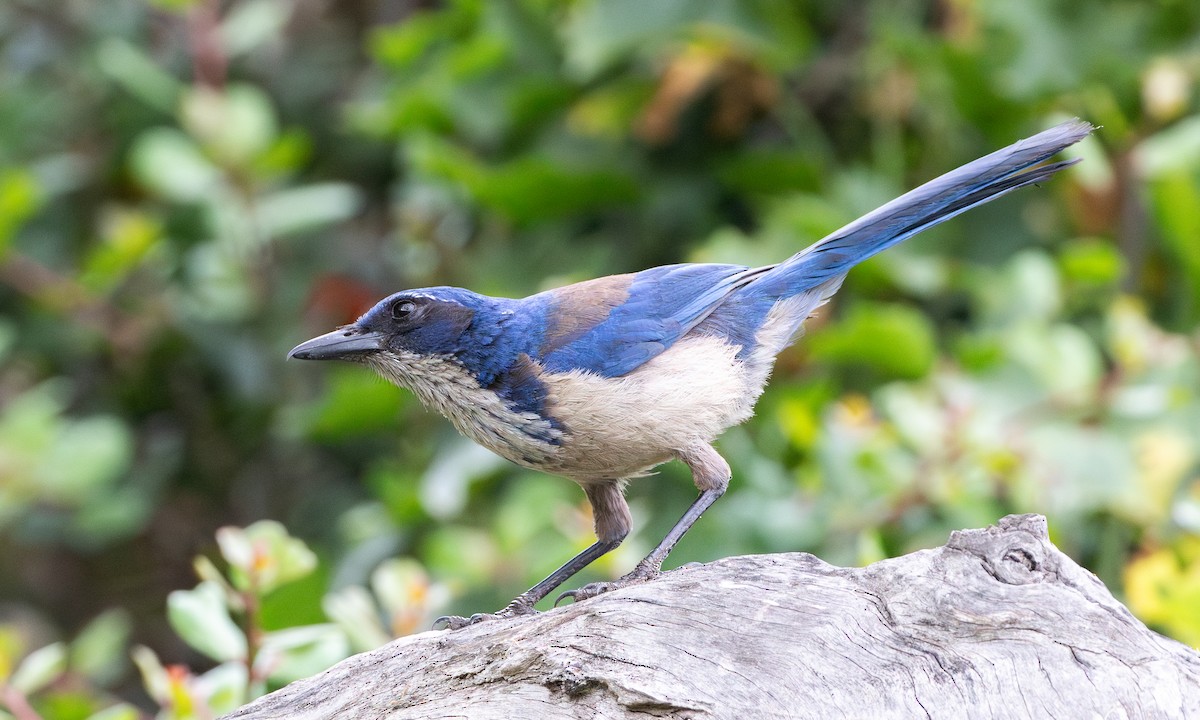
(345, 343)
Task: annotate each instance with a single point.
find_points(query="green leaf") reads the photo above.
(402, 45)
(1029, 289)
(299, 652)
(20, 198)
(355, 403)
(304, 208)
(207, 571)
(1091, 468)
(1091, 261)
(225, 687)
(250, 24)
(894, 340)
(354, 611)
(167, 162)
(29, 425)
(219, 286)
(1163, 588)
(175, 5)
(772, 172)
(155, 679)
(291, 149)
(201, 617)
(599, 33)
(39, 668)
(1173, 150)
(979, 352)
(263, 556)
(407, 594)
(527, 189)
(87, 456)
(608, 111)
(1063, 357)
(1174, 197)
(129, 237)
(98, 652)
(66, 703)
(139, 75)
(12, 645)
(399, 583)
(238, 551)
(114, 514)
(916, 413)
(8, 336)
(476, 57)
(234, 125)
(121, 711)
(531, 189)
(298, 602)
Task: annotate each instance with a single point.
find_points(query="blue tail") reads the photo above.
(936, 201)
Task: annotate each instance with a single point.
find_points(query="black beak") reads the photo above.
(345, 343)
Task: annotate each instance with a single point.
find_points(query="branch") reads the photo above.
(995, 624)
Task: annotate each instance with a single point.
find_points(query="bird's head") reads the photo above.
(425, 323)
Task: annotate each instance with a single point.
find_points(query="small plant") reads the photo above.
(222, 619)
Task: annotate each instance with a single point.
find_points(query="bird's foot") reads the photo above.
(639, 574)
(518, 607)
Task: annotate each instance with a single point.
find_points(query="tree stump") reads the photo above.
(997, 623)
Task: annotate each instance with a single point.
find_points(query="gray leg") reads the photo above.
(711, 474)
(612, 522)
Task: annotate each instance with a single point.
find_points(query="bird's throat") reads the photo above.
(445, 386)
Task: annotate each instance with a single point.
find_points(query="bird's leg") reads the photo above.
(612, 522)
(711, 474)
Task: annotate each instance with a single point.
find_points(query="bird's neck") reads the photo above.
(445, 385)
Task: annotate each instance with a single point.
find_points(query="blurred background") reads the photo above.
(188, 188)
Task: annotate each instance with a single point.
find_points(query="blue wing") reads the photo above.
(612, 325)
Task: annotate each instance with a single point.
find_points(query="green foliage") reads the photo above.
(220, 618)
(187, 189)
(18, 202)
(893, 340)
(63, 471)
(49, 679)
(1164, 588)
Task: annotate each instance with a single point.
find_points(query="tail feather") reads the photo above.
(936, 201)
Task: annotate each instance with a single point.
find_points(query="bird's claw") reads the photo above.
(457, 622)
(586, 592)
(591, 590)
(516, 608)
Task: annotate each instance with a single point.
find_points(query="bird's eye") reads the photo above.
(402, 309)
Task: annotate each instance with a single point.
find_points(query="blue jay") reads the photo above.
(602, 380)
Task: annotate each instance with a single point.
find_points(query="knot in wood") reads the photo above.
(1016, 551)
(1018, 564)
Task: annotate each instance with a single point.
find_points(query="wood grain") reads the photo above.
(997, 623)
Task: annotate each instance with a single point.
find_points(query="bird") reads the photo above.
(603, 380)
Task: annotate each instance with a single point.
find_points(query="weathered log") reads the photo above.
(995, 624)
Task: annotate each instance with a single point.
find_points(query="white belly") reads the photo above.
(621, 427)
